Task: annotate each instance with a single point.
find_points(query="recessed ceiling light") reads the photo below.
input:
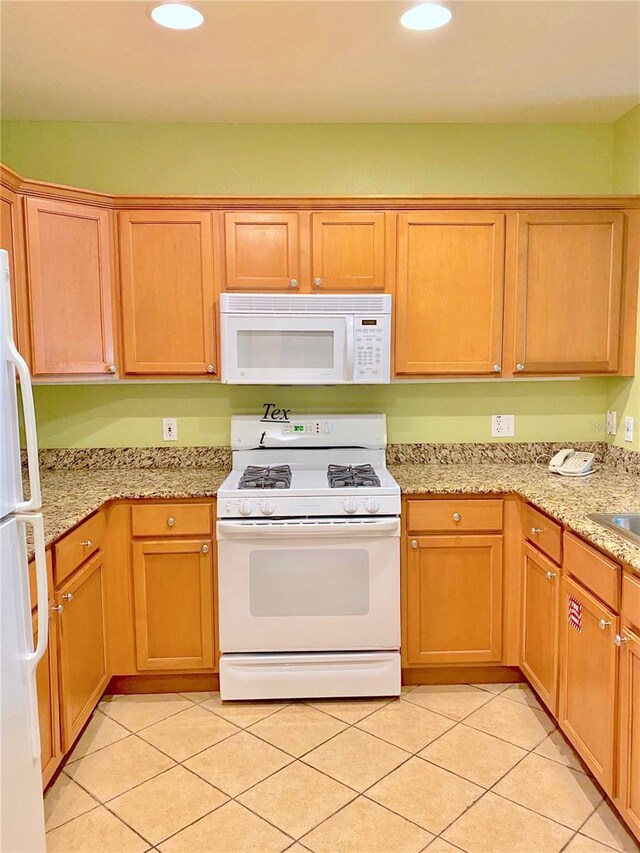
(176, 16)
(426, 16)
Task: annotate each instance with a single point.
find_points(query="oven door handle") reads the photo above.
(351, 528)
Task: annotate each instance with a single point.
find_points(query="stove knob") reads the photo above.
(244, 508)
(371, 505)
(266, 507)
(350, 505)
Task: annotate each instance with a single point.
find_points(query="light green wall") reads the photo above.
(320, 159)
(314, 158)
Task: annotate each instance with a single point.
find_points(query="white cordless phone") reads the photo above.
(572, 463)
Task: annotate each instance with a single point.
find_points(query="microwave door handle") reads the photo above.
(349, 346)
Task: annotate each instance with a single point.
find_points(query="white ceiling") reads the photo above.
(321, 61)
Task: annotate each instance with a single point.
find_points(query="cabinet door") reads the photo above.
(168, 305)
(84, 672)
(629, 731)
(588, 679)
(348, 251)
(262, 251)
(449, 293)
(69, 275)
(48, 707)
(568, 291)
(173, 604)
(454, 598)
(540, 603)
(12, 239)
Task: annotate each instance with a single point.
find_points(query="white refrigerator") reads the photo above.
(21, 806)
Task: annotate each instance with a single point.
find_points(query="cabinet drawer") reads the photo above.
(631, 599)
(543, 532)
(596, 572)
(171, 519)
(33, 589)
(71, 551)
(453, 515)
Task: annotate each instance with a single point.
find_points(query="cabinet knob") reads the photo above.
(414, 543)
(112, 368)
(293, 282)
(209, 368)
(551, 576)
(519, 366)
(497, 368)
(618, 640)
(171, 521)
(205, 549)
(317, 282)
(58, 608)
(87, 543)
(603, 624)
(68, 596)
(535, 531)
(456, 516)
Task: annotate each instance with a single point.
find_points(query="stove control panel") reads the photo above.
(302, 427)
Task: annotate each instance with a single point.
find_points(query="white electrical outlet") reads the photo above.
(628, 428)
(503, 426)
(612, 423)
(170, 429)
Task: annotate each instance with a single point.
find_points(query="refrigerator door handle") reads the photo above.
(28, 409)
(36, 522)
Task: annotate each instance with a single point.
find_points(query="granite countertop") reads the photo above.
(69, 496)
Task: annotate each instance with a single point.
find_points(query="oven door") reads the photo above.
(276, 349)
(309, 585)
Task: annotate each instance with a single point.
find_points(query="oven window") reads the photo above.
(285, 349)
(309, 582)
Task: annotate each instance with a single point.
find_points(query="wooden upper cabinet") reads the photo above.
(568, 298)
(348, 251)
(166, 268)
(262, 251)
(449, 293)
(12, 239)
(70, 292)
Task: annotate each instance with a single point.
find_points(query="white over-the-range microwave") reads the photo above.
(305, 340)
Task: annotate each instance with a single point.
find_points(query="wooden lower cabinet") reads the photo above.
(48, 707)
(84, 671)
(628, 799)
(454, 599)
(540, 603)
(173, 604)
(588, 679)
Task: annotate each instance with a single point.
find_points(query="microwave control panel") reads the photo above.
(371, 351)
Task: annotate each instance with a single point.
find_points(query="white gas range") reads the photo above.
(309, 560)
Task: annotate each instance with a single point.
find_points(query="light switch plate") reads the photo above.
(628, 428)
(503, 426)
(170, 429)
(612, 423)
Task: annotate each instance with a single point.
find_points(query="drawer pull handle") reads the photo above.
(535, 531)
(68, 596)
(414, 543)
(57, 607)
(87, 543)
(551, 576)
(603, 624)
(205, 549)
(456, 516)
(171, 521)
(618, 640)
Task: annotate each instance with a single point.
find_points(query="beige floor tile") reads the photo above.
(364, 827)
(297, 729)
(144, 709)
(188, 732)
(557, 749)
(511, 721)
(455, 701)
(101, 731)
(296, 798)
(65, 800)
(97, 831)
(495, 825)
(349, 710)
(582, 844)
(200, 696)
(493, 688)
(238, 763)
(166, 804)
(551, 789)
(356, 758)
(407, 688)
(229, 829)
(116, 768)
(439, 845)
(242, 714)
(406, 725)
(605, 826)
(425, 794)
(522, 693)
(477, 756)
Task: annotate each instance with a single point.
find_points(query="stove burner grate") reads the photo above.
(265, 477)
(348, 476)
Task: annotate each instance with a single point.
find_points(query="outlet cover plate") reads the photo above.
(503, 426)
(628, 428)
(170, 429)
(612, 423)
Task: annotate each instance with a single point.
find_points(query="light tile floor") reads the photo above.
(478, 768)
